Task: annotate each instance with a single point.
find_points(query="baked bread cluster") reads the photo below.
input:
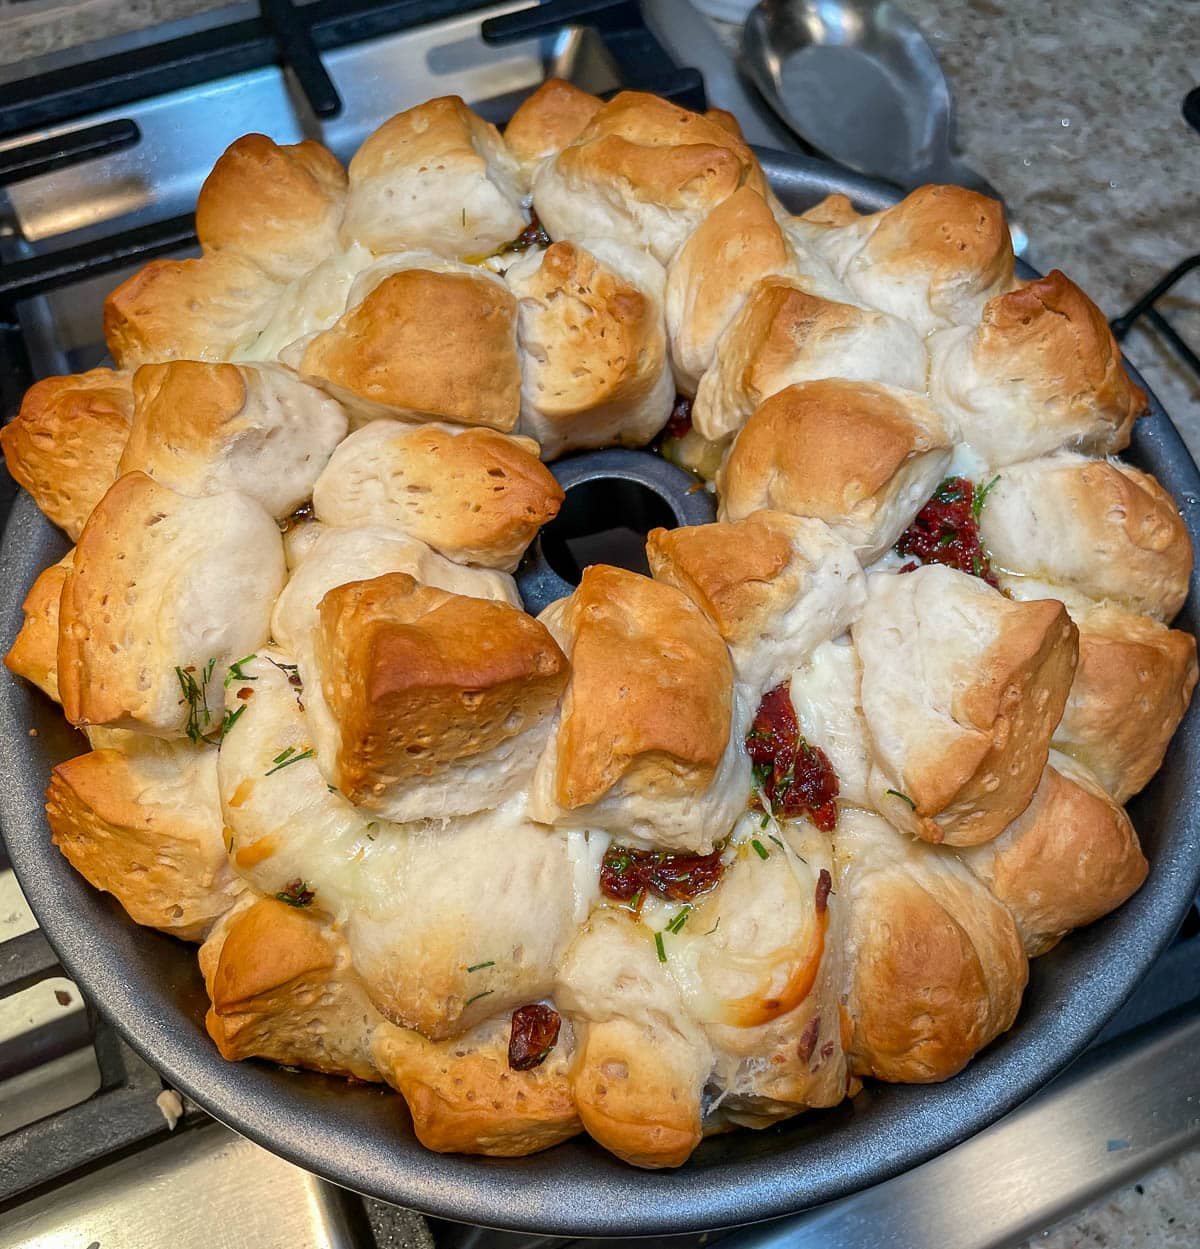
(691, 850)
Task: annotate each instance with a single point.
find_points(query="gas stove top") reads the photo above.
(101, 160)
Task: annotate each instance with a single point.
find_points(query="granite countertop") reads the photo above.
(1074, 113)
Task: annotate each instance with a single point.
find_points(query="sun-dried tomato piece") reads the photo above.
(679, 423)
(534, 1035)
(794, 777)
(627, 874)
(946, 530)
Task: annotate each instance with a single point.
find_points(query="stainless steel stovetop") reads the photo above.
(1131, 1102)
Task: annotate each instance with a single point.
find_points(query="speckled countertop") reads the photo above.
(1073, 111)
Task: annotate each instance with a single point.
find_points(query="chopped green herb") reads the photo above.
(230, 719)
(296, 893)
(714, 928)
(766, 819)
(903, 797)
(760, 849)
(635, 903)
(235, 672)
(195, 694)
(658, 945)
(332, 788)
(480, 966)
(286, 758)
(464, 217)
(678, 922)
(485, 993)
(777, 841)
(980, 497)
(762, 774)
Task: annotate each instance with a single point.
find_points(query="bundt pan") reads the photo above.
(149, 987)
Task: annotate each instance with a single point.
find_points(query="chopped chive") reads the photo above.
(480, 966)
(766, 819)
(287, 762)
(980, 497)
(296, 893)
(678, 922)
(903, 797)
(283, 754)
(485, 993)
(332, 788)
(231, 718)
(777, 841)
(658, 945)
(714, 928)
(760, 849)
(235, 672)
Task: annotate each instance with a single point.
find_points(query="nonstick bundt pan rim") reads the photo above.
(358, 1136)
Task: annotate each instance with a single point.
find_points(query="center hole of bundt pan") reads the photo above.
(613, 499)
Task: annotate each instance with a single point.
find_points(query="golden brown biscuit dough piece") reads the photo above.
(643, 171)
(639, 1074)
(1069, 858)
(425, 344)
(1040, 371)
(162, 585)
(594, 349)
(282, 988)
(961, 690)
(64, 444)
(465, 1098)
(34, 652)
(473, 495)
(936, 969)
(860, 456)
(205, 309)
(435, 176)
(637, 702)
(418, 679)
(784, 334)
(202, 428)
(1133, 684)
(1096, 528)
(144, 824)
(278, 205)
(552, 117)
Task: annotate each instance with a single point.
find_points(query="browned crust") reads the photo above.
(464, 1097)
(442, 127)
(738, 243)
(1069, 859)
(434, 344)
(1132, 687)
(418, 678)
(203, 309)
(606, 339)
(34, 652)
(823, 449)
(946, 231)
(476, 496)
(191, 399)
(924, 1001)
(271, 202)
(165, 864)
(630, 1097)
(1017, 698)
(550, 119)
(651, 689)
(282, 988)
(1050, 329)
(832, 211)
(730, 571)
(64, 444)
(662, 154)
